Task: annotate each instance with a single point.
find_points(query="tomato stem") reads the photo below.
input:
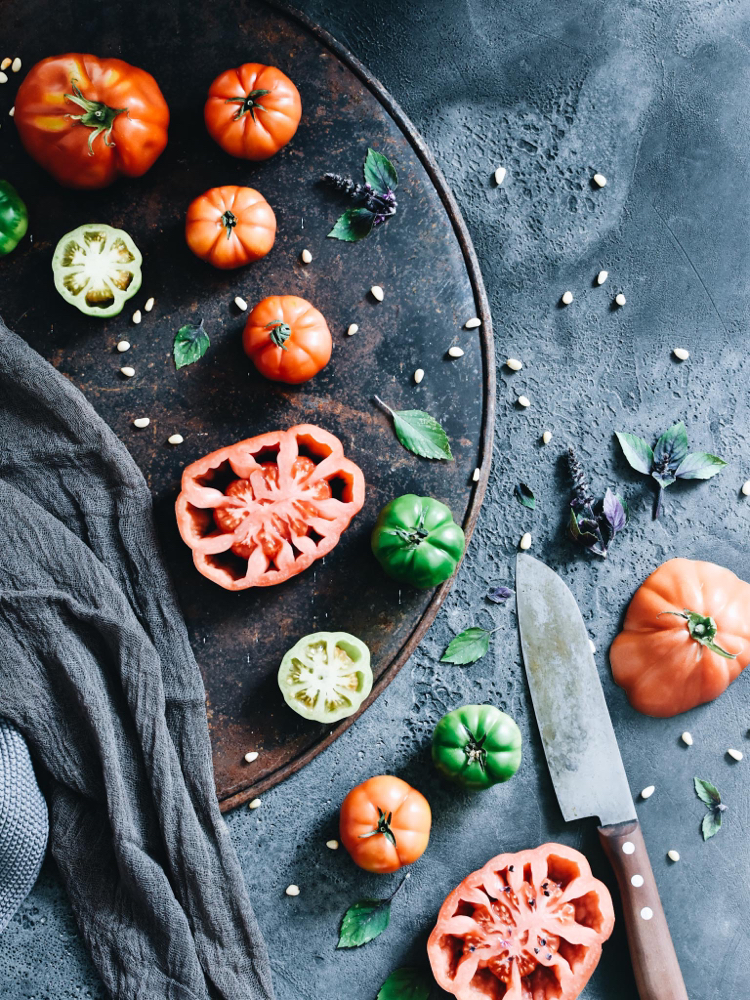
(97, 116)
(703, 629)
(229, 221)
(247, 104)
(384, 827)
(280, 332)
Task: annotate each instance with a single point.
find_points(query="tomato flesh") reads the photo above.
(326, 676)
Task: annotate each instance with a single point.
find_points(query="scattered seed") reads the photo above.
(141, 422)
(175, 439)
(12, 111)
(418, 375)
(647, 792)
(681, 353)
(253, 804)
(500, 174)
(525, 542)
(546, 437)
(306, 257)
(620, 299)
(332, 845)
(16, 65)
(292, 890)
(5, 63)
(377, 293)
(123, 346)
(476, 475)
(673, 855)
(735, 754)
(524, 401)
(240, 303)
(514, 364)
(455, 352)
(600, 180)
(137, 317)
(592, 647)
(687, 739)
(251, 756)
(602, 277)
(473, 323)
(127, 371)
(746, 488)
(3, 77)
(149, 304)
(567, 298)
(352, 329)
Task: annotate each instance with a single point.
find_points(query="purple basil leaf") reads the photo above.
(672, 447)
(699, 465)
(499, 595)
(614, 511)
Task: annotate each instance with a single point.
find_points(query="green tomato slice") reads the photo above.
(326, 676)
(97, 269)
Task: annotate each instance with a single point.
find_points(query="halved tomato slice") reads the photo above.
(326, 676)
(262, 510)
(527, 926)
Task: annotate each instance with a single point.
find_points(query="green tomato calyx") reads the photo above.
(474, 750)
(384, 827)
(703, 629)
(229, 221)
(97, 116)
(247, 104)
(280, 332)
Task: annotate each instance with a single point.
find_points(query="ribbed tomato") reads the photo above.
(685, 638)
(287, 339)
(88, 120)
(252, 111)
(230, 226)
(527, 926)
(261, 511)
(385, 824)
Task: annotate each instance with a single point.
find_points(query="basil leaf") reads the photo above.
(525, 495)
(579, 534)
(363, 922)
(467, 647)
(379, 172)
(499, 595)
(406, 984)
(420, 433)
(636, 451)
(353, 225)
(706, 792)
(672, 447)
(190, 344)
(711, 825)
(699, 465)
(663, 481)
(615, 511)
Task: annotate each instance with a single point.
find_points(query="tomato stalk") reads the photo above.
(703, 629)
(97, 116)
(247, 104)
(229, 221)
(384, 827)
(280, 332)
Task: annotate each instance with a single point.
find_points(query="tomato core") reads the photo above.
(247, 104)
(96, 115)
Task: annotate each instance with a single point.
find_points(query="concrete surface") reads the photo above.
(655, 96)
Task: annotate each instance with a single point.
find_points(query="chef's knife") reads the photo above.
(585, 763)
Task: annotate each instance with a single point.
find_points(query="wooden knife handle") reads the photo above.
(657, 971)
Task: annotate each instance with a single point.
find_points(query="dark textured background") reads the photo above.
(655, 96)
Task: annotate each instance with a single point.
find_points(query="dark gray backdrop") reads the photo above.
(654, 95)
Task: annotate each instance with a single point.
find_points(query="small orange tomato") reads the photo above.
(287, 339)
(252, 111)
(230, 226)
(385, 824)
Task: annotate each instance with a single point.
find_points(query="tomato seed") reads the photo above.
(620, 299)
(292, 890)
(352, 329)
(647, 792)
(175, 439)
(141, 422)
(377, 293)
(254, 804)
(514, 364)
(567, 298)
(123, 346)
(149, 304)
(5, 63)
(16, 65)
(523, 401)
(455, 352)
(500, 175)
(332, 845)
(600, 180)
(251, 756)
(681, 353)
(602, 277)
(473, 323)
(306, 257)
(127, 372)
(546, 437)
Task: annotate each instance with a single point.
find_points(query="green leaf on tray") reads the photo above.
(379, 172)
(353, 225)
(706, 792)
(420, 433)
(363, 922)
(525, 495)
(190, 344)
(467, 647)
(406, 984)
(637, 452)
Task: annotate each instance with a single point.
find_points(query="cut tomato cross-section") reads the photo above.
(261, 511)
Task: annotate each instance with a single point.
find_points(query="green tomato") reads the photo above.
(14, 219)
(477, 746)
(326, 676)
(417, 542)
(97, 269)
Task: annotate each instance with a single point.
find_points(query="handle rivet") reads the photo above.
(637, 881)
(647, 913)
(628, 847)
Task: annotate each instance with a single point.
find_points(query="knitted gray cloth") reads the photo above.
(23, 823)
(97, 673)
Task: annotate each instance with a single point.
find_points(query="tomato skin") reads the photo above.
(266, 126)
(410, 824)
(476, 746)
(307, 349)
(662, 668)
(417, 542)
(230, 226)
(60, 144)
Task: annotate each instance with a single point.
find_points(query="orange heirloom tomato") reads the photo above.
(685, 638)
(230, 226)
(252, 111)
(527, 926)
(88, 120)
(262, 510)
(385, 824)
(287, 339)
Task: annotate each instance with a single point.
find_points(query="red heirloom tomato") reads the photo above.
(527, 926)
(252, 111)
(230, 226)
(287, 339)
(685, 638)
(260, 511)
(385, 824)
(88, 120)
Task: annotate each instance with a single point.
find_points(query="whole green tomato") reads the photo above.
(477, 746)
(417, 542)
(14, 219)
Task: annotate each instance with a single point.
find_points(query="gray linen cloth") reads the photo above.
(97, 673)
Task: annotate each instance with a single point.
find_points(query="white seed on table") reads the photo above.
(746, 488)
(253, 804)
(600, 180)
(6, 62)
(127, 371)
(292, 890)
(12, 111)
(546, 437)
(455, 352)
(620, 299)
(332, 845)
(351, 329)
(647, 792)
(473, 323)
(524, 401)
(681, 353)
(137, 317)
(149, 304)
(592, 647)
(240, 303)
(500, 174)
(602, 277)
(175, 439)
(123, 346)
(141, 422)
(477, 473)
(514, 364)
(525, 542)
(251, 756)
(377, 293)
(306, 257)
(567, 298)
(16, 65)
(735, 754)
(3, 77)
(687, 739)
(673, 855)
(418, 375)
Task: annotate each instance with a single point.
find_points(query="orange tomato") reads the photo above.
(88, 120)
(385, 824)
(230, 226)
(685, 638)
(252, 111)
(287, 339)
